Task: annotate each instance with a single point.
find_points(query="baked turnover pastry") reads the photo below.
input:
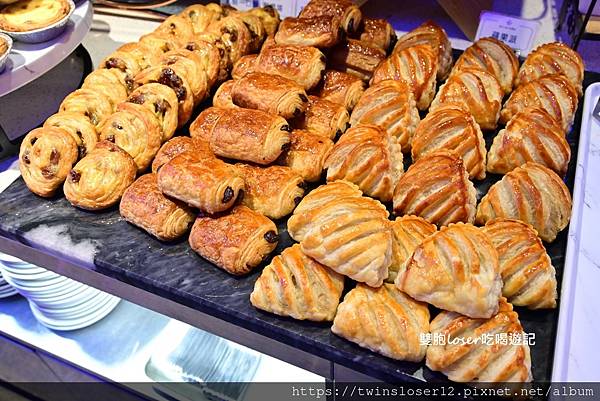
(345, 231)
(188, 64)
(527, 271)
(340, 87)
(532, 135)
(356, 57)
(243, 66)
(307, 154)
(297, 286)
(469, 359)
(178, 145)
(29, 15)
(552, 93)
(475, 90)
(273, 191)
(207, 183)
(80, 128)
(236, 241)
(235, 34)
(320, 31)
(110, 82)
(200, 16)
(417, 65)
(378, 32)
(437, 188)
(383, 320)
(46, 157)
(269, 16)
(242, 134)
(99, 180)
(177, 26)
(452, 128)
(391, 105)
(369, 157)
(144, 205)
(95, 106)
(455, 269)
(222, 97)
(161, 100)
(345, 10)
(324, 118)
(533, 194)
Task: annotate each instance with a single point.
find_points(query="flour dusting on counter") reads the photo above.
(58, 239)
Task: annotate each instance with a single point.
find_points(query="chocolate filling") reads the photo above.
(303, 97)
(74, 176)
(227, 195)
(297, 112)
(25, 158)
(286, 147)
(297, 199)
(241, 194)
(286, 127)
(271, 237)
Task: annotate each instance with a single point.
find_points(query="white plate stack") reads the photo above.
(5, 289)
(57, 302)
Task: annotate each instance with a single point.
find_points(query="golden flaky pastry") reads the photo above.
(111, 83)
(176, 146)
(80, 128)
(95, 106)
(455, 269)
(162, 101)
(319, 31)
(235, 34)
(383, 320)
(222, 97)
(378, 32)
(307, 154)
(324, 117)
(340, 87)
(269, 16)
(356, 57)
(348, 12)
(297, 286)
(189, 65)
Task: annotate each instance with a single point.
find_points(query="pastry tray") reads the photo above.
(104, 243)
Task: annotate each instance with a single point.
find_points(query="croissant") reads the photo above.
(417, 66)
(553, 58)
(552, 93)
(390, 105)
(269, 16)
(383, 320)
(345, 231)
(342, 88)
(475, 90)
(297, 286)
(210, 55)
(532, 135)
(95, 106)
(346, 10)
(178, 27)
(110, 83)
(369, 157)
(200, 16)
(319, 31)
(235, 34)
(437, 188)
(236, 241)
(469, 359)
(356, 57)
(452, 128)
(189, 65)
(324, 118)
(162, 101)
(145, 54)
(455, 269)
(528, 275)
(80, 128)
(533, 194)
(307, 154)
(378, 32)
(244, 66)
(177, 146)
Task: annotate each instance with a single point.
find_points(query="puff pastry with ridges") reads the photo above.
(177, 146)
(243, 66)
(209, 55)
(269, 17)
(222, 97)
(125, 63)
(110, 83)
(307, 154)
(177, 26)
(323, 117)
(340, 87)
(190, 66)
(200, 16)
(255, 27)
(145, 54)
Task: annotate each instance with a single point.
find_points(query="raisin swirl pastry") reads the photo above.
(210, 59)
(356, 57)
(455, 269)
(532, 135)
(340, 87)
(236, 241)
(177, 26)
(200, 16)
(95, 106)
(475, 90)
(383, 320)
(124, 62)
(533, 194)
(269, 16)
(160, 42)
(242, 134)
(270, 93)
(80, 128)
(177, 146)
(255, 27)
(273, 191)
(222, 97)
(452, 128)
(161, 100)
(207, 183)
(323, 117)
(345, 231)
(320, 31)
(45, 159)
(527, 272)
(99, 180)
(225, 63)
(417, 65)
(192, 67)
(145, 206)
(348, 12)
(468, 359)
(369, 157)
(234, 34)
(378, 32)
(145, 55)
(244, 66)
(307, 154)
(111, 83)
(297, 286)
(437, 188)
(390, 105)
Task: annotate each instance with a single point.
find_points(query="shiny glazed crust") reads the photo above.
(32, 14)
(324, 118)
(307, 154)
(356, 57)
(348, 12)
(243, 66)
(340, 87)
(319, 31)
(222, 97)
(178, 145)
(378, 32)
(303, 64)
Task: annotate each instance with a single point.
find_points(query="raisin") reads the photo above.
(228, 194)
(54, 156)
(82, 151)
(33, 140)
(302, 185)
(47, 173)
(297, 112)
(303, 98)
(297, 200)
(74, 176)
(110, 138)
(139, 98)
(286, 127)
(271, 237)
(286, 146)
(25, 158)
(117, 125)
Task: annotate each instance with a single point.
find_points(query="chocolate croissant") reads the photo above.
(452, 128)
(81, 129)
(110, 83)
(348, 12)
(356, 57)
(188, 64)
(236, 241)
(307, 154)
(222, 97)
(324, 118)
(45, 158)
(177, 146)
(378, 32)
(161, 100)
(297, 286)
(383, 320)
(319, 31)
(244, 66)
(95, 106)
(533, 194)
(390, 105)
(455, 269)
(340, 87)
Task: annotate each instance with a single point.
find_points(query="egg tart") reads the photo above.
(28, 15)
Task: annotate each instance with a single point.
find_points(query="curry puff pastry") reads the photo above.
(177, 146)
(345, 231)
(207, 183)
(162, 102)
(383, 320)
(236, 241)
(532, 135)
(307, 154)
(469, 359)
(417, 66)
(46, 157)
(475, 90)
(437, 188)
(452, 128)
(369, 157)
(455, 269)
(323, 117)
(144, 205)
(533, 194)
(95, 106)
(528, 275)
(273, 191)
(356, 57)
(340, 87)
(242, 134)
(80, 128)
(319, 31)
(378, 32)
(297, 286)
(348, 12)
(390, 105)
(99, 180)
